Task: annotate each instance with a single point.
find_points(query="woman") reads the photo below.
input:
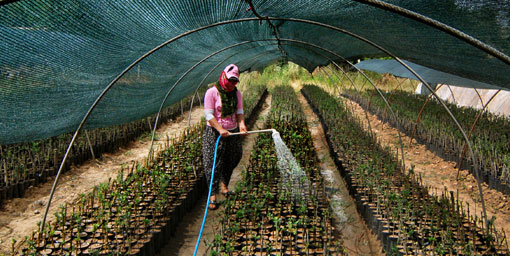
(223, 108)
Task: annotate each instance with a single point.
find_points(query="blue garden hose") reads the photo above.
(212, 178)
(208, 196)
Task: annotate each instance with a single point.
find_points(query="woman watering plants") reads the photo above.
(223, 108)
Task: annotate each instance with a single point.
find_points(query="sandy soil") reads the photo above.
(184, 242)
(438, 173)
(19, 217)
(357, 237)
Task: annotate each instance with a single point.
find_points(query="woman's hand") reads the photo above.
(243, 129)
(241, 124)
(224, 132)
(214, 123)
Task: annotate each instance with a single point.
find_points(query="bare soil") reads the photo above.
(356, 236)
(183, 243)
(438, 174)
(19, 216)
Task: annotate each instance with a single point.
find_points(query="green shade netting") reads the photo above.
(58, 56)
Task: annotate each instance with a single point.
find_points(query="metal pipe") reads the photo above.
(453, 95)
(90, 145)
(352, 107)
(473, 125)
(252, 132)
(421, 113)
(345, 88)
(195, 94)
(479, 96)
(395, 89)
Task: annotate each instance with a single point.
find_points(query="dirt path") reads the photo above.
(438, 173)
(19, 217)
(185, 240)
(357, 238)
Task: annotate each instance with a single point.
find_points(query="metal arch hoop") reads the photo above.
(366, 77)
(479, 96)
(421, 112)
(473, 125)
(353, 86)
(107, 88)
(340, 80)
(210, 72)
(477, 175)
(336, 87)
(151, 151)
(150, 155)
(352, 104)
(453, 94)
(280, 39)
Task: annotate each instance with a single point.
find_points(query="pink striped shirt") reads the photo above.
(212, 108)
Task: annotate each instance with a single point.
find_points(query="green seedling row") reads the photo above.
(132, 214)
(395, 204)
(490, 137)
(28, 164)
(263, 217)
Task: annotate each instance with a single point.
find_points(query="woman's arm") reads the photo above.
(240, 123)
(209, 103)
(240, 113)
(214, 123)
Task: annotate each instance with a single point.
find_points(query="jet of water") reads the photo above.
(294, 179)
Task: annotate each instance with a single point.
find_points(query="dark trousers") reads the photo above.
(228, 156)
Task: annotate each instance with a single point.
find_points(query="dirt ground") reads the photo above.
(19, 217)
(357, 238)
(438, 173)
(184, 242)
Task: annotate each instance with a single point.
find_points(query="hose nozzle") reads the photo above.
(275, 133)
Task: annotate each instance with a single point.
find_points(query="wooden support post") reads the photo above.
(90, 145)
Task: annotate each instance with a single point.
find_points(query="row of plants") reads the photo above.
(136, 213)
(254, 94)
(133, 214)
(490, 138)
(395, 204)
(265, 216)
(28, 164)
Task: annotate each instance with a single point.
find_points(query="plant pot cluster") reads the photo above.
(253, 98)
(28, 164)
(133, 214)
(490, 138)
(264, 217)
(394, 203)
